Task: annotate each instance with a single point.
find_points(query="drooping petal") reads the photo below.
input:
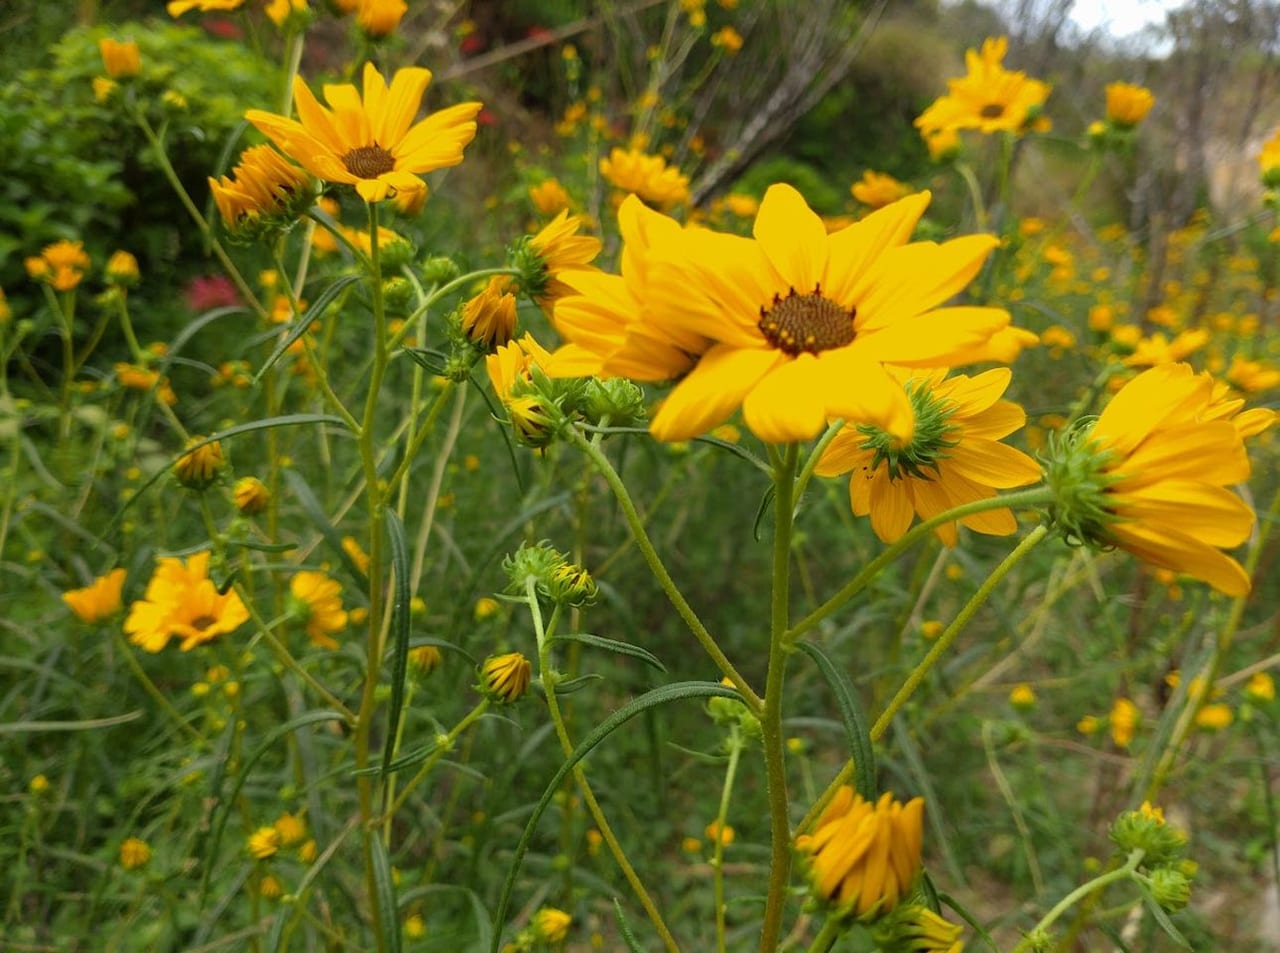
(862, 392)
(891, 507)
(1209, 513)
(992, 463)
(1169, 549)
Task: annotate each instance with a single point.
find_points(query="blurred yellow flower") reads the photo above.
(1252, 377)
(380, 17)
(863, 857)
(122, 268)
(371, 142)
(647, 176)
(1269, 161)
(1022, 696)
(177, 8)
(724, 835)
(876, 189)
(415, 928)
(279, 11)
(61, 265)
(251, 495)
(1124, 722)
(318, 603)
(134, 853)
(549, 197)
(1214, 717)
(355, 552)
(1157, 349)
(727, 39)
(953, 457)
(1128, 104)
(120, 59)
(264, 843)
(551, 925)
(200, 465)
(1088, 725)
(1261, 687)
(424, 659)
(988, 98)
(99, 600)
(182, 602)
(291, 829)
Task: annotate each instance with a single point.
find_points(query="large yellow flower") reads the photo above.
(612, 330)
(864, 857)
(988, 97)
(182, 602)
(798, 321)
(1150, 476)
(954, 457)
(371, 142)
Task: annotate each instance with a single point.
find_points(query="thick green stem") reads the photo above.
(771, 716)
(654, 561)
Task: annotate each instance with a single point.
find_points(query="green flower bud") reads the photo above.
(540, 561)
(439, 270)
(617, 399)
(1170, 888)
(571, 585)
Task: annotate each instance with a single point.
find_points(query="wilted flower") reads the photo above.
(251, 495)
(489, 318)
(200, 465)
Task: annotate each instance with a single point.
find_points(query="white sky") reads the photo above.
(1120, 17)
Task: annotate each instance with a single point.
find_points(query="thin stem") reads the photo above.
(654, 561)
(926, 664)
(1097, 883)
(443, 746)
(815, 455)
(150, 687)
(549, 678)
(771, 716)
(736, 744)
(909, 539)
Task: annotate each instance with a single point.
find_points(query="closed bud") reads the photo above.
(1170, 888)
(616, 400)
(504, 678)
(571, 585)
(397, 293)
(439, 270)
(200, 466)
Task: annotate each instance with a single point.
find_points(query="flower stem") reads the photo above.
(150, 687)
(827, 936)
(654, 561)
(915, 534)
(926, 664)
(1097, 883)
(549, 678)
(443, 746)
(736, 744)
(771, 717)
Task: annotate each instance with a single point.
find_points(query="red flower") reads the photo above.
(211, 291)
(471, 43)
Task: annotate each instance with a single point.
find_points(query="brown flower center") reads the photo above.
(992, 111)
(369, 162)
(806, 322)
(200, 623)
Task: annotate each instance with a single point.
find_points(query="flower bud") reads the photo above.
(439, 270)
(199, 467)
(1170, 888)
(504, 678)
(571, 585)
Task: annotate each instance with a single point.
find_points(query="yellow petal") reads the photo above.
(1208, 452)
(932, 339)
(793, 237)
(786, 405)
(891, 507)
(392, 110)
(862, 392)
(437, 141)
(853, 250)
(992, 463)
(1162, 394)
(713, 390)
(922, 275)
(1170, 549)
(843, 454)
(1208, 513)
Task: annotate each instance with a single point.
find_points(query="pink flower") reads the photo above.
(211, 291)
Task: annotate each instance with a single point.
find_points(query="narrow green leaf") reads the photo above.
(960, 911)
(624, 928)
(612, 645)
(320, 520)
(571, 685)
(1166, 924)
(399, 630)
(386, 890)
(647, 701)
(855, 722)
(190, 330)
(261, 547)
(433, 362)
(299, 327)
(23, 727)
(222, 809)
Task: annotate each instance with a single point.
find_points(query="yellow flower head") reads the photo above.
(99, 600)
(728, 39)
(1128, 104)
(1269, 161)
(199, 466)
(415, 928)
(182, 602)
(988, 98)
(954, 456)
(292, 829)
(781, 323)
(864, 858)
(1022, 696)
(876, 189)
(103, 88)
(1158, 349)
(263, 190)
(724, 835)
(1261, 687)
(1214, 717)
(511, 366)
(371, 142)
(489, 319)
(1151, 477)
(380, 18)
(134, 853)
(548, 258)
(355, 552)
(120, 59)
(424, 659)
(647, 176)
(1125, 716)
(122, 269)
(251, 495)
(551, 925)
(1252, 377)
(61, 265)
(549, 197)
(288, 14)
(264, 843)
(917, 929)
(504, 678)
(318, 602)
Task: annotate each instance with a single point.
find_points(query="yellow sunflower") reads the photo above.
(647, 176)
(317, 599)
(182, 602)
(798, 321)
(954, 457)
(1150, 477)
(611, 329)
(988, 97)
(371, 142)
